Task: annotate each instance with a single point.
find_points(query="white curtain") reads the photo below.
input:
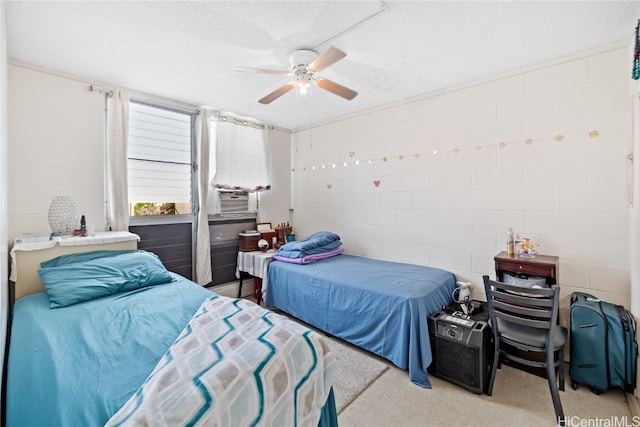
(116, 160)
(241, 157)
(203, 252)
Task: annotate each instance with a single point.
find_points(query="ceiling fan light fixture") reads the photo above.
(303, 81)
(304, 63)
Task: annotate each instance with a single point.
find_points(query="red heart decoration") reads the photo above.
(329, 186)
(376, 182)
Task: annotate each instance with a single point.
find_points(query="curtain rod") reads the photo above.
(242, 122)
(100, 89)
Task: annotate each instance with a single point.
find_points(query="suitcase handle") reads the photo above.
(587, 297)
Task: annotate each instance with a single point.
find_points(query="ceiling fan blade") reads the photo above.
(337, 89)
(277, 93)
(329, 57)
(264, 70)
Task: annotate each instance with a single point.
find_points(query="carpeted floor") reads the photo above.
(354, 372)
(518, 399)
(372, 392)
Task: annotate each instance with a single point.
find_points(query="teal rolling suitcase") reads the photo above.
(603, 343)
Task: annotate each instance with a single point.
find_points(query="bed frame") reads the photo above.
(26, 257)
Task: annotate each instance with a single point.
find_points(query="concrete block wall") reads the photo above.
(437, 180)
(55, 148)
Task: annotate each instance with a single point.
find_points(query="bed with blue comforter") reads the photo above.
(117, 340)
(381, 306)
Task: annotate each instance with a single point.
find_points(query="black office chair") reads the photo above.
(526, 320)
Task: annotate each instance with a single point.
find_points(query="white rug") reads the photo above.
(356, 370)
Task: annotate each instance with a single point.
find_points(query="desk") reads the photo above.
(253, 264)
(541, 265)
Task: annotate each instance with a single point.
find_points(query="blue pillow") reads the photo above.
(69, 283)
(83, 257)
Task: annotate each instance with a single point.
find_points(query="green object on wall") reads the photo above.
(635, 72)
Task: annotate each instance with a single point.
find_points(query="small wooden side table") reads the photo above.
(541, 265)
(253, 264)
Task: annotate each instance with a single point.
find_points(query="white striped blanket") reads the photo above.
(235, 364)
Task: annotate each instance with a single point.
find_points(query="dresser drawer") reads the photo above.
(541, 265)
(534, 270)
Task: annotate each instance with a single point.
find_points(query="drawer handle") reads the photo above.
(520, 267)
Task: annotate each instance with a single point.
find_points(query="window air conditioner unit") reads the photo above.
(233, 201)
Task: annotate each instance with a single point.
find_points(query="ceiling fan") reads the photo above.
(304, 64)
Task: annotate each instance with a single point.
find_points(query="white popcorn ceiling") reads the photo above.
(189, 51)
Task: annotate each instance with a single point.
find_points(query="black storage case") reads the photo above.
(462, 350)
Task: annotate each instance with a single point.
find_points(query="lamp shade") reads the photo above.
(63, 216)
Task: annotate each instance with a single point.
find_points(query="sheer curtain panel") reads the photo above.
(116, 160)
(203, 248)
(241, 157)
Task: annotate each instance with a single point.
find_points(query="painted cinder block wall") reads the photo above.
(56, 148)
(437, 180)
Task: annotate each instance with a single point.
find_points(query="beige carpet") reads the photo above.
(355, 371)
(389, 398)
(519, 399)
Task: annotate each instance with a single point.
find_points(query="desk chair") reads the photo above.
(526, 320)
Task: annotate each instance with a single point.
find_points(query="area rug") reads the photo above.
(355, 371)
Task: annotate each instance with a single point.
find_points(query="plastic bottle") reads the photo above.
(510, 241)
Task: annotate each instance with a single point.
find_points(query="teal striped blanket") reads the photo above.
(235, 364)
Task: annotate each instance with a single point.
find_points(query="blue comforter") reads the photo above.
(378, 305)
(51, 349)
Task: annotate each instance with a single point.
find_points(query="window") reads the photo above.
(241, 161)
(160, 159)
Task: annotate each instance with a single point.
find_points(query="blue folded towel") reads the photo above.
(331, 246)
(319, 242)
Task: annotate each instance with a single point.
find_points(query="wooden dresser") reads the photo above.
(541, 265)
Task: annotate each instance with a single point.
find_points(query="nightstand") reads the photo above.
(541, 265)
(253, 264)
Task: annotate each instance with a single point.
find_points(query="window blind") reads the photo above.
(159, 154)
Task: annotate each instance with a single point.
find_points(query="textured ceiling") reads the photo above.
(190, 51)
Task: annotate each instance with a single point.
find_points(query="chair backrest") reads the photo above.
(532, 307)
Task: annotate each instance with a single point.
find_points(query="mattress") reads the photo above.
(381, 306)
